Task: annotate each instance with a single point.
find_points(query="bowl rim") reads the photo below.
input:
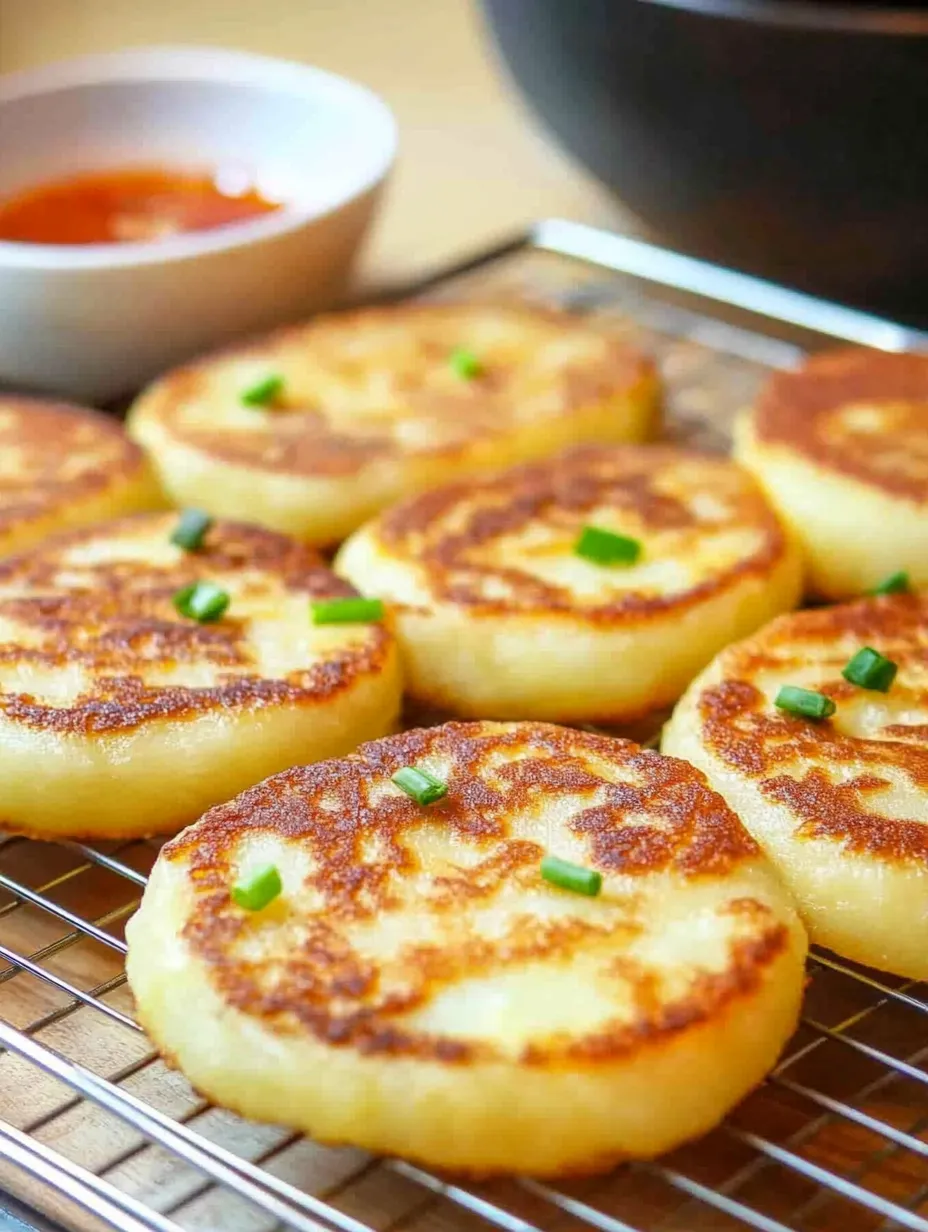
(811, 14)
(198, 63)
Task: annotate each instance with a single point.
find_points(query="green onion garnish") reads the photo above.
(260, 888)
(870, 670)
(263, 392)
(189, 531)
(465, 364)
(606, 548)
(202, 601)
(895, 584)
(351, 611)
(804, 703)
(423, 788)
(571, 876)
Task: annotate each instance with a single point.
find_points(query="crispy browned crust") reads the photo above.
(363, 869)
(64, 454)
(739, 727)
(301, 438)
(803, 410)
(447, 531)
(121, 619)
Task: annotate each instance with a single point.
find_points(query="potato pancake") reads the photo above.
(65, 466)
(499, 616)
(418, 988)
(841, 447)
(840, 804)
(314, 429)
(119, 716)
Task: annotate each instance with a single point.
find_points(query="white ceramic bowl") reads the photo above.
(94, 321)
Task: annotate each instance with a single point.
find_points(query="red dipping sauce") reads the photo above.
(125, 206)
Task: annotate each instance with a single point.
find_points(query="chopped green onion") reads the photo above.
(465, 364)
(189, 531)
(571, 876)
(423, 788)
(895, 584)
(263, 392)
(202, 601)
(606, 548)
(804, 703)
(870, 670)
(350, 611)
(255, 892)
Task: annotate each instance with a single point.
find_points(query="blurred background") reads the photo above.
(784, 137)
(472, 166)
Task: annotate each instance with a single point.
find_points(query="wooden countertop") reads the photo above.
(473, 166)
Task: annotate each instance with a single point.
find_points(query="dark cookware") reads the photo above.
(785, 137)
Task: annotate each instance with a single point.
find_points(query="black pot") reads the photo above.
(784, 137)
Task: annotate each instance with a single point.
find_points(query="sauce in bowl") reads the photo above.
(127, 206)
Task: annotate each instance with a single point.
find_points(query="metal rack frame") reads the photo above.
(689, 1197)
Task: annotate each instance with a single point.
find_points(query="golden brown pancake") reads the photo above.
(498, 616)
(840, 805)
(121, 717)
(373, 406)
(63, 466)
(419, 989)
(841, 446)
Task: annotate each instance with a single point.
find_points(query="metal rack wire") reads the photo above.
(294, 1208)
(97, 1132)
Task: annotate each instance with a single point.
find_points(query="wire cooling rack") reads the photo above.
(97, 1132)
